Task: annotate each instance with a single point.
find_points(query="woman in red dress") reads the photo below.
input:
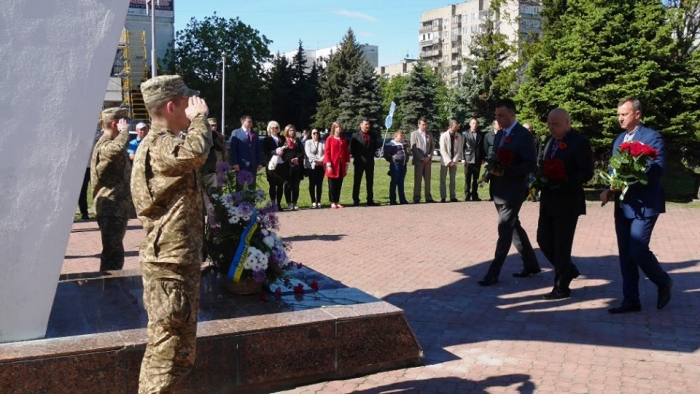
(336, 161)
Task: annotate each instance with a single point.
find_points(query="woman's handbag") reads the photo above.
(274, 160)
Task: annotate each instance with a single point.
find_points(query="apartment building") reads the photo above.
(446, 32)
(392, 70)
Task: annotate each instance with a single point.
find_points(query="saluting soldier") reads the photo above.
(110, 170)
(167, 193)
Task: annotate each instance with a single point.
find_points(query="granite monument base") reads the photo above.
(96, 338)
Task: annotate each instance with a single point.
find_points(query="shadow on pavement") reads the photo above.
(315, 237)
(456, 385)
(513, 309)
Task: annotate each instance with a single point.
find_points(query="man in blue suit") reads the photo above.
(509, 189)
(245, 151)
(636, 215)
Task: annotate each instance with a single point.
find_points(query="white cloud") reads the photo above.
(356, 15)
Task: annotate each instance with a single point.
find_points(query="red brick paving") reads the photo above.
(427, 258)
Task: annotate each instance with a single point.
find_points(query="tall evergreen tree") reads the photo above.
(419, 99)
(361, 98)
(391, 87)
(339, 67)
(282, 92)
(594, 54)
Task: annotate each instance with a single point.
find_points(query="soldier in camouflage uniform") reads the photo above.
(109, 173)
(167, 193)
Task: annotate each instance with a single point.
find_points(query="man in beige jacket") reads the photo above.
(450, 155)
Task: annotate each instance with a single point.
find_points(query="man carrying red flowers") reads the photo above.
(514, 159)
(637, 210)
(567, 166)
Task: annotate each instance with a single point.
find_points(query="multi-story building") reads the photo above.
(320, 56)
(446, 33)
(392, 70)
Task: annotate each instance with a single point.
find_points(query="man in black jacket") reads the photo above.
(362, 147)
(473, 158)
(562, 201)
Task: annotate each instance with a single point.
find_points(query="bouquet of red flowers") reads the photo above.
(504, 158)
(549, 174)
(629, 166)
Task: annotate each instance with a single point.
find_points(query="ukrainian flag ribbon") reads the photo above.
(236, 268)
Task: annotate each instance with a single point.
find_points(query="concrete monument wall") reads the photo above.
(55, 58)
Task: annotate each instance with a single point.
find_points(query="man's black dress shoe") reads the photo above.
(356, 204)
(557, 294)
(525, 273)
(454, 200)
(429, 201)
(488, 281)
(624, 308)
(476, 199)
(404, 202)
(372, 204)
(393, 203)
(443, 200)
(664, 295)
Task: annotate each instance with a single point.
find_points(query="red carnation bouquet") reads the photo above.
(504, 158)
(629, 166)
(549, 174)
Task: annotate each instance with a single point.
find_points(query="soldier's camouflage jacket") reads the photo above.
(110, 171)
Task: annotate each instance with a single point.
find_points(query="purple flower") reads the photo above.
(259, 276)
(220, 179)
(223, 168)
(244, 178)
(246, 209)
(237, 197)
(228, 199)
(278, 256)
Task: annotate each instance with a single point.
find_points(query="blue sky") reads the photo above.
(391, 24)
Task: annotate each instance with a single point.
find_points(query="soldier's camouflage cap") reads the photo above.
(163, 87)
(114, 113)
(212, 121)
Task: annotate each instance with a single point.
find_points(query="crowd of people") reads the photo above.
(173, 163)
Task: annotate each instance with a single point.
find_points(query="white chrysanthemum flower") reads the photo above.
(256, 260)
(269, 241)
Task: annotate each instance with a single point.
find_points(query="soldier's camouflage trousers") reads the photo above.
(113, 229)
(171, 298)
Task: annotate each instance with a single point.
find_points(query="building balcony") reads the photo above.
(427, 54)
(456, 63)
(456, 50)
(428, 29)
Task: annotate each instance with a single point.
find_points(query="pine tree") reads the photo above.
(282, 95)
(419, 99)
(339, 67)
(391, 88)
(594, 54)
(361, 98)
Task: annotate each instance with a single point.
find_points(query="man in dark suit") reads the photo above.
(473, 158)
(245, 151)
(509, 189)
(562, 202)
(636, 215)
(362, 147)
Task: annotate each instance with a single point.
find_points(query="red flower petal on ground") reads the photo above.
(278, 293)
(314, 285)
(300, 265)
(299, 289)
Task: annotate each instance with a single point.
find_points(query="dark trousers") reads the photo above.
(555, 236)
(112, 230)
(334, 186)
(633, 237)
(276, 187)
(398, 175)
(82, 200)
(291, 186)
(510, 231)
(316, 183)
(361, 168)
(471, 183)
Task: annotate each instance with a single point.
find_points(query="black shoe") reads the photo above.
(416, 201)
(85, 217)
(372, 204)
(624, 308)
(404, 202)
(443, 200)
(664, 295)
(429, 201)
(557, 294)
(454, 200)
(488, 281)
(393, 203)
(356, 204)
(476, 199)
(526, 272)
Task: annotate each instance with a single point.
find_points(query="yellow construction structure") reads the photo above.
(131, 55)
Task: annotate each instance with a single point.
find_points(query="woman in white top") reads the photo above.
(313, 162)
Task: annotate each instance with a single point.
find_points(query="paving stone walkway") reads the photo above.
(427, 259)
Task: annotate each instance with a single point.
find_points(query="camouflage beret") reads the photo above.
(163, 87)
(114, 113)
(212, 121)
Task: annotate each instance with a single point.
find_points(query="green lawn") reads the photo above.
(381, 186)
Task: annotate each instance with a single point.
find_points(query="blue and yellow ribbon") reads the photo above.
(236, 269)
